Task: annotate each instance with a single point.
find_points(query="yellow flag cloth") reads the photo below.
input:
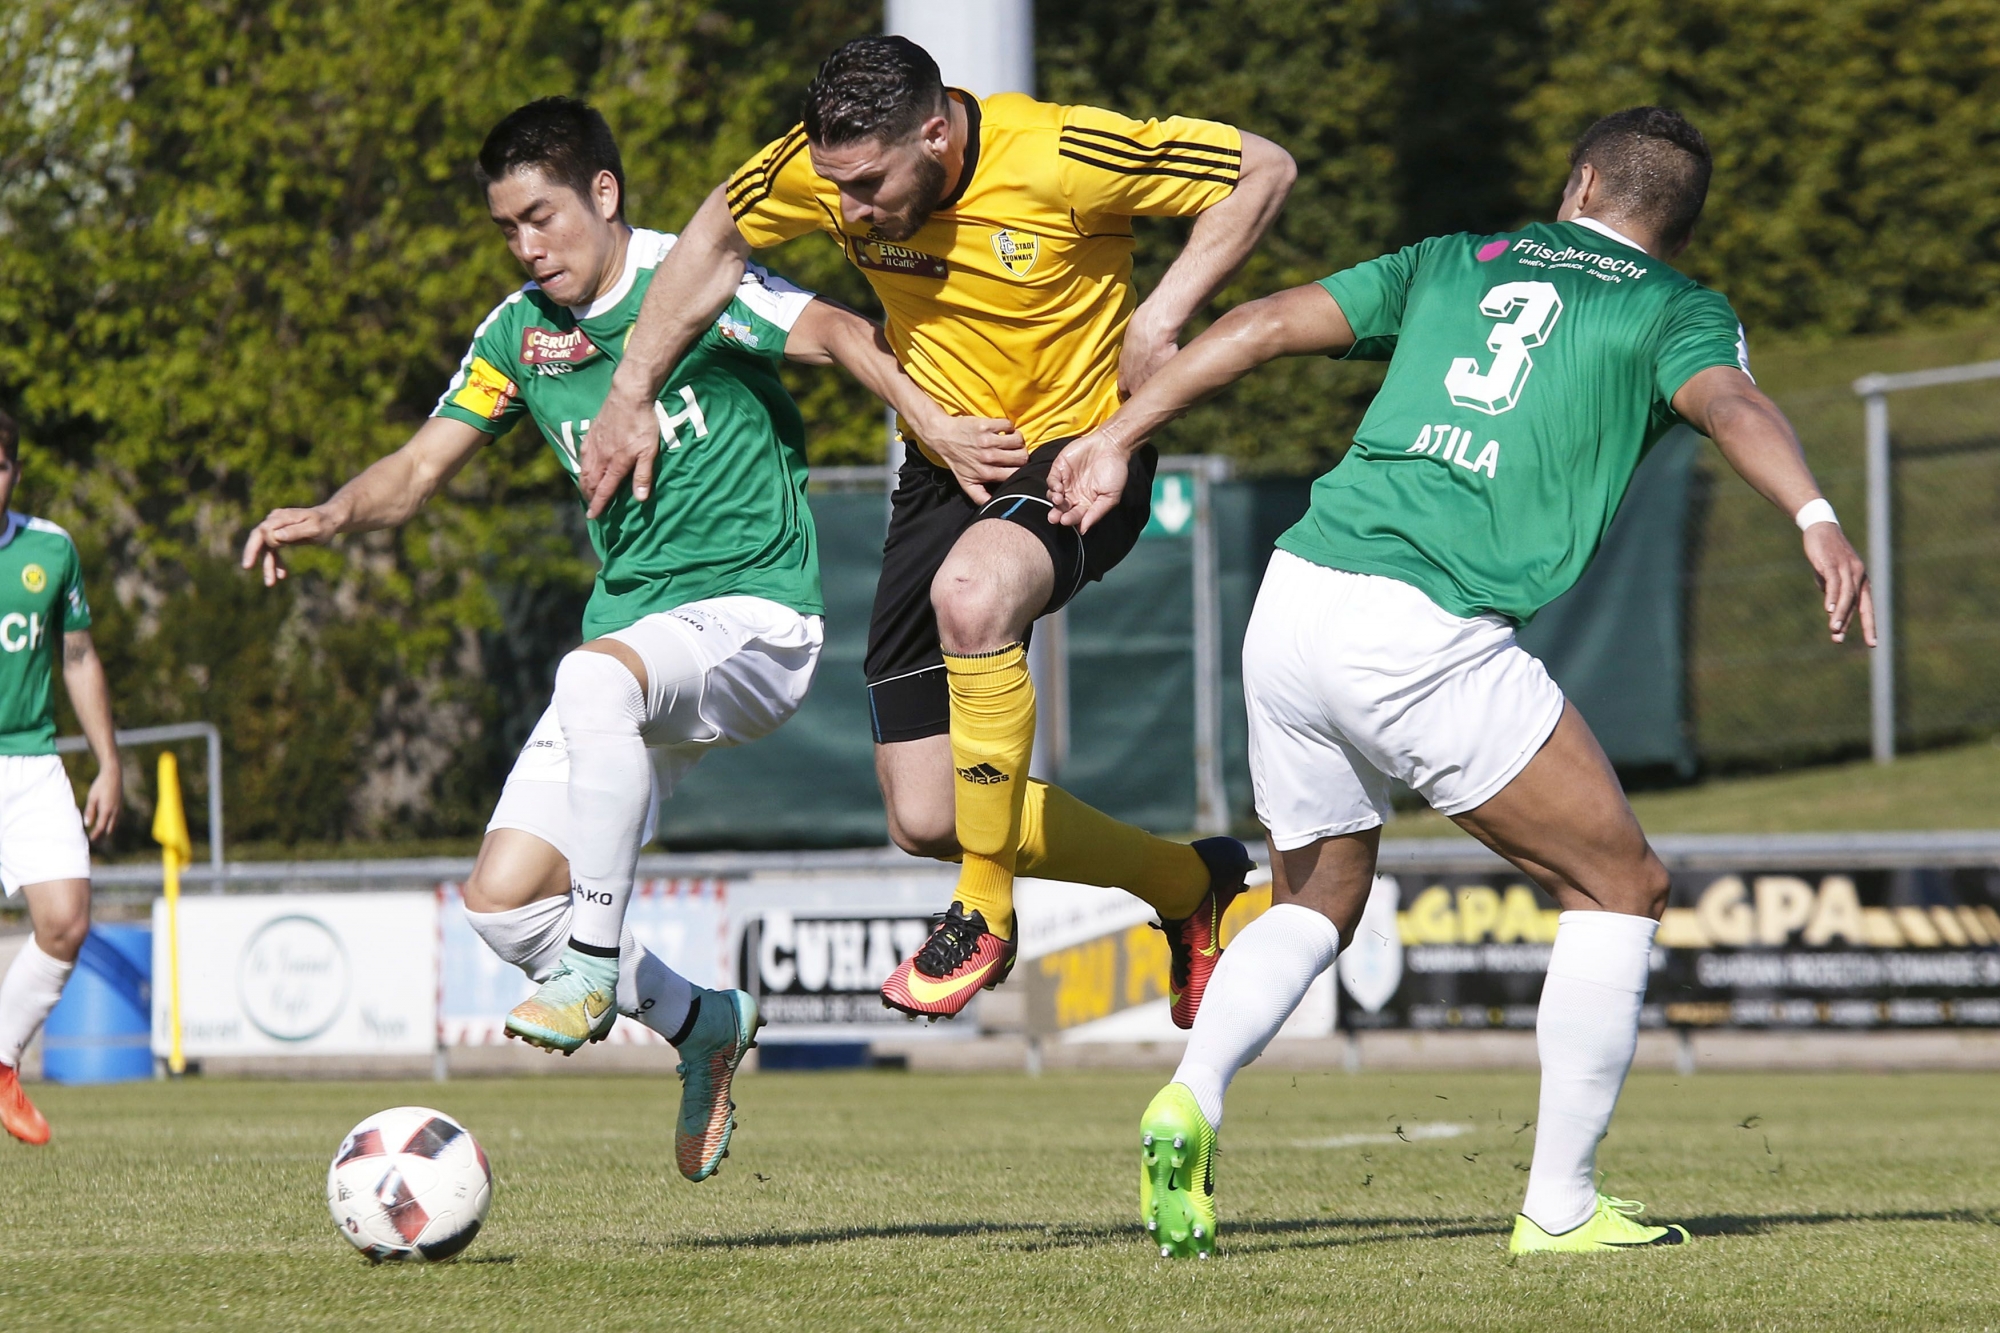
(170, 826)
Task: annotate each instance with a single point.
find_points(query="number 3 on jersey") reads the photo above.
(1498, 388)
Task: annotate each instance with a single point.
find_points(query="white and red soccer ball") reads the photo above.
(409, 1183)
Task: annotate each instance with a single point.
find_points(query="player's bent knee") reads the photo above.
(974, 614)
(599, 692)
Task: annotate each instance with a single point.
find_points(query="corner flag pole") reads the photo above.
(170, 830)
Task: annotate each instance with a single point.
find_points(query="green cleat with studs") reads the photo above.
(1177, 1175)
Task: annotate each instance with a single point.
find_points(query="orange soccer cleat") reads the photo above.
(960, 959)
(17, 1113)
(1195, 941)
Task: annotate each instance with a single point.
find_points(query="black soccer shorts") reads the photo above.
(907, 696)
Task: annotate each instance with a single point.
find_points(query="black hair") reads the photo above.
(1655, 166)
(872, 88)
(566, 140)
(10, 438)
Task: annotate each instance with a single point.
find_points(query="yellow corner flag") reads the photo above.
(170, 830)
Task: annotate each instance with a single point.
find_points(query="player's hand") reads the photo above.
(1843, 579)
(1086, 481)
(282, 528)
(1143, 354)
(100, 807)
(977, 450)
(623, 442)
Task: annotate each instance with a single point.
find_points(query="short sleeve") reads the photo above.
(1372, 296)
(1112, 166)
(775, 195)
(1701, 331)
(759, 319)
(484, 394)
(75, 606)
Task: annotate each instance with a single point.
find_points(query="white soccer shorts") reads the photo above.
(41, 830)
(754, 660)
(1352, 679)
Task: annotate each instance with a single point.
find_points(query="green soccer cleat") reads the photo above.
(577, 1004)
(1177, 1175)
(1611, 1227)
(725, 1029)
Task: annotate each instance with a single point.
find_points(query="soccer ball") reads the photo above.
(409, 1183)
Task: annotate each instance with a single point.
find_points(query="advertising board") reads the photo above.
(308, 974)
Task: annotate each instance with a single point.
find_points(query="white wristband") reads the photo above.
(1814, 511)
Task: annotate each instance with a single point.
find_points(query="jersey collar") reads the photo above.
(14, 524)
(971, 163)
(1608, 232)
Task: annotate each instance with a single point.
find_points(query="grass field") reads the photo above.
(1822, 1202)
(1957, 788)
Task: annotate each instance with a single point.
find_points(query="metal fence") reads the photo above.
(1766, 688)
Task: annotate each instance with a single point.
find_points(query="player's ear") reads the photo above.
(608, 196)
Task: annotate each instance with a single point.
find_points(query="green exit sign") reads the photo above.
(1173, 506)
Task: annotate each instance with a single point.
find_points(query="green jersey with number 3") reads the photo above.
(41, 599)
(1528, 375)
(728, 515)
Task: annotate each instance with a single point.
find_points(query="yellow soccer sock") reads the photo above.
(1062, 838)
(992, 738)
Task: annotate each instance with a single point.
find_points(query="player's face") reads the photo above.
(568, 242)
(891, 189)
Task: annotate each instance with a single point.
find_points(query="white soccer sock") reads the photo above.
(601, 708)
(1262, 977)
(1585, 1032)
(32, 986)
(533, 937)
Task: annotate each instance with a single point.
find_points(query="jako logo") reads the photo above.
(1491, 251)
(592, 895)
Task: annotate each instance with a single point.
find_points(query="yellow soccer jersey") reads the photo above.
(1012, 300)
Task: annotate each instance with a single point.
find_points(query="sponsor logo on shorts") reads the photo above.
(736, 330)
(34, 578)
(1017, 250)
(888, 257)
(541, 347)
(487, 391)
(983, 774)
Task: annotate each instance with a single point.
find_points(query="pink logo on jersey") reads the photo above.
(1491, 251)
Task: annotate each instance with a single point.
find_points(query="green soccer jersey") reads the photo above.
(728, 512)
(1528, 375)
(41, 599)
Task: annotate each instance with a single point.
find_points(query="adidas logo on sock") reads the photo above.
(983, 774)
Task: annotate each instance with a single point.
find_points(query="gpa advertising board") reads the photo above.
(1862, 949)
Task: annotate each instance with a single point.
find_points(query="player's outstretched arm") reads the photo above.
(90, 695)
(1089, 476)
(977, 449)
(385, 495)
(1217, 246)
(1724, 404)
(690, 288)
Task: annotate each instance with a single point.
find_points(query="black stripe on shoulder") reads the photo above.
(1217, 176)
(1108, 139)
(753, 185)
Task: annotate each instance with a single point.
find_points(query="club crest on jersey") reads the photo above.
(487, 392)
(1017, 250)
(888, 257)
(34, 578)
(545, 347)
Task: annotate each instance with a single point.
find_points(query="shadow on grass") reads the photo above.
(1258, 1234)
(1758, 1224)
(1269, 1233)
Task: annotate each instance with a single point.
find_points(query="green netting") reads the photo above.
(1613, 642)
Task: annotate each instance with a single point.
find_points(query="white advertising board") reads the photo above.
(685, 922)
(302, 974)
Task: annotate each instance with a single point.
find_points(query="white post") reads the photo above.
(1881, 578)
(1211, 801)
(982, 46)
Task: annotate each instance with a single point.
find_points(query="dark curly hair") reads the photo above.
(872, 88)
